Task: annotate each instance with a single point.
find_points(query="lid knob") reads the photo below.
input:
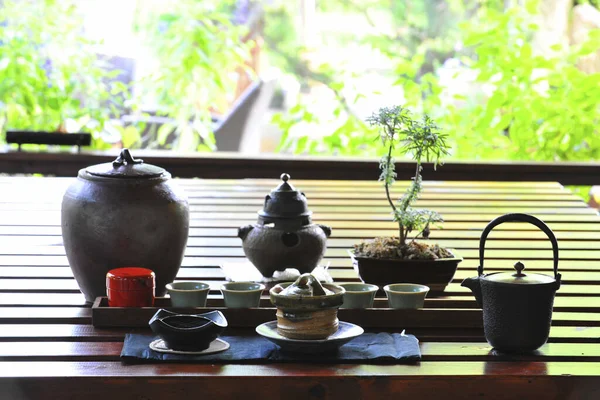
(519, 266)
(126, 158)
(127, 167)
(285, 177)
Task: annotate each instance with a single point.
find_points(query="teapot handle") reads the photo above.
(516, 217)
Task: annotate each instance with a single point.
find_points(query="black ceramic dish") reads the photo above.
(188, 332)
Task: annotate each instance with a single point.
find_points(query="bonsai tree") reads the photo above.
(422, 140)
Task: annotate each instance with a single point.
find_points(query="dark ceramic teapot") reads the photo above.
(284, 236)
(307, 309)
(123, 214)
(517, 307)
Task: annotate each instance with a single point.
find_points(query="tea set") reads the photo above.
(143, 217)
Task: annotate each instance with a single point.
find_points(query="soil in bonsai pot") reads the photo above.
(390, 248)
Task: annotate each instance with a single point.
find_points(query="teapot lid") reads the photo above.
(307, 293)
(306, 285)
(125, 166)
(285, 202)
(519, 278)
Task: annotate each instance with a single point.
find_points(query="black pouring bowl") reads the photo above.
(188, 332)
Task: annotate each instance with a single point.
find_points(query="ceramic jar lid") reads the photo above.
(519, 278)
(285, 202)
(130, 278)
(126, 167)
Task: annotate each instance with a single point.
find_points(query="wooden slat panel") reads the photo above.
(338, 274)
(83, 315)
(70, 286)
(565, 199)
(68, 332)
(53, 182)
(45, 274)
(76, 315)
(561, 303)
(193, 252)
(101, 380)
(455, 213)
(396, 190)
(53, 186)
(38, 244)
(561, 234)
(466, 216)
(271, 183)
(534, 265)
(40, 301)
(431, 351)
(441, 205)
(201, 218)
(7, 254)
(45, 315)
(438, 369)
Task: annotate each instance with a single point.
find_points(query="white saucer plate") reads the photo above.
(216, 346)
(346, 332)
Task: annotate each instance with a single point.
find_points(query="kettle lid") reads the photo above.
(285, 202)
(126, 167)
(519, 278)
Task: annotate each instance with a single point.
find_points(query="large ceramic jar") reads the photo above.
(124, 214)
(284, 236)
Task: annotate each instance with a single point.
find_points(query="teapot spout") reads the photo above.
(475, 285)
(244, 231)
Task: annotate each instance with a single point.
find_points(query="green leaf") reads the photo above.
(130, 136)
(163, 133)
(337, 86)
(532, 6)
(556, 47)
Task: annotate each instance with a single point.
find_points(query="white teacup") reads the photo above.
(188, 293)
(406, 295)
(359, 295)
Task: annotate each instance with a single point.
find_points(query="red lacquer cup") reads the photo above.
(130, 287)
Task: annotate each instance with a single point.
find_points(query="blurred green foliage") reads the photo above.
(581, 191)
(515, 104)
(197, 49)
(51, 77)
(49, 74)
(537, 107)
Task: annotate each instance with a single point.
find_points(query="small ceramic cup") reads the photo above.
(188, 293)
(406, 295)
(359, 295)
(242, 294)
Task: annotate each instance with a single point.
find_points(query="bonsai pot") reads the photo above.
(381, 271)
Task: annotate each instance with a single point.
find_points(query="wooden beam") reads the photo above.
(236, 166)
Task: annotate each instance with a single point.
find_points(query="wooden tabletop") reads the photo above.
(49, 349)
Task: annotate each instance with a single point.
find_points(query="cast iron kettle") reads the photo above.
(284, 235)
(517, 307)
(123, 214)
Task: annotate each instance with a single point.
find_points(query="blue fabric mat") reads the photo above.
(369, 348)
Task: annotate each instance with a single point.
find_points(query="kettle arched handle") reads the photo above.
(517, 217)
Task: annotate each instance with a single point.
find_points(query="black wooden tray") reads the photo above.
(378, 317)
